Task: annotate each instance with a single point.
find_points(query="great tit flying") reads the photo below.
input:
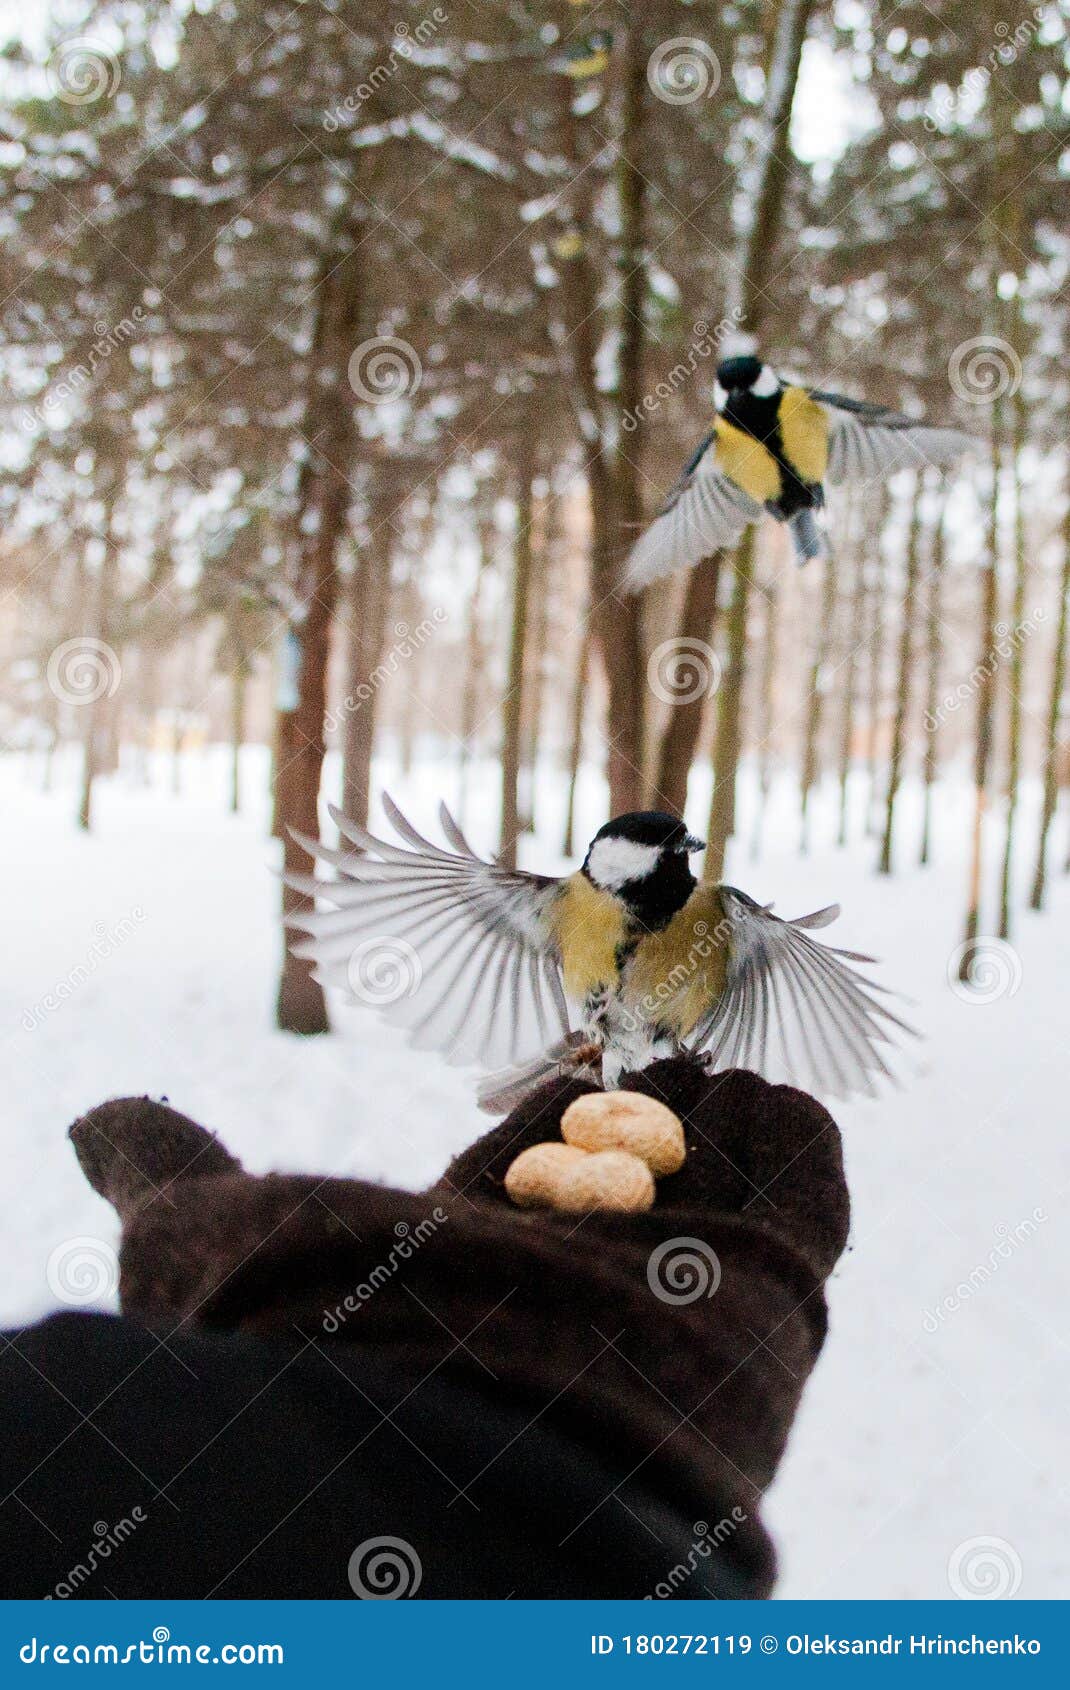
(627, 960)
(771, 448)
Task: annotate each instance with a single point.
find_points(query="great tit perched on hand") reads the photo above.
(601, 972)
(771, 448)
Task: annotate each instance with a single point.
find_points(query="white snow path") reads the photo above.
(925, 1425)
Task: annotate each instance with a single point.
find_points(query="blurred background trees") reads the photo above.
(344, 354)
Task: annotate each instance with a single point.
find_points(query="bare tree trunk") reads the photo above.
(682, 730)
(368, 603)
(542, 579)
(238, 687)
(1016, 677)
(575, 749)
(474, 666)
(933, 628)
(816, 704)
(984, 740)
(513, 701)
(1051, 741)
(323, 507)
(765, 726)
(904, 679)
(729, 713)
(877, 642)
(855, 620)
(98, 699)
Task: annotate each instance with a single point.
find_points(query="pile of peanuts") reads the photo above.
(615, 1144)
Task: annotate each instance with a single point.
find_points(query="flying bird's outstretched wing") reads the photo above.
(458, 950)
(705, 511)
(791, 1007)
(868, 442)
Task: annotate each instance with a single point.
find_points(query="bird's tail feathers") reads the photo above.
(570, 1059)
(809, 537)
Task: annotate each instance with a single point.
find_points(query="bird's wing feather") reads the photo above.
(793, 1008)
(705, 511)
(868, 442)
(458, 950)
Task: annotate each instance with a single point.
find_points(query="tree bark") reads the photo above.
(1016, 676)
(676, 753)
(322, 509)
(1054, 717)
(984, 737)
(933, 627)
(904, 680)
(368, 602)
(765, 725)
(513, 702)
(816, 703)
(575, 748)
(729, 716)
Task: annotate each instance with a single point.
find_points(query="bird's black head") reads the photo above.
(642, 859)
(738, 375)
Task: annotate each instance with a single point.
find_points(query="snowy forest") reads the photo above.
(346, 349)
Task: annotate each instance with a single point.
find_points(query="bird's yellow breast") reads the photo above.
(749, 464)
(589, 925)
(804, 433)
(677, 974)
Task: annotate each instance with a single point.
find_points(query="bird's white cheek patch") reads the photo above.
(613, 862)
(766, 385)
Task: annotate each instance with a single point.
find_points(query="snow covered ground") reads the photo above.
(143, 959)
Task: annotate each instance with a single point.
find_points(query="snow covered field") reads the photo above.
(143, 959)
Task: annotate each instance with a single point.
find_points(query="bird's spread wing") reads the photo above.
(794, 1009)
(458, 950)
(868, 442)
(705, 511)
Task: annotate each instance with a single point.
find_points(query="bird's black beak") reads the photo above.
(691, 844)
